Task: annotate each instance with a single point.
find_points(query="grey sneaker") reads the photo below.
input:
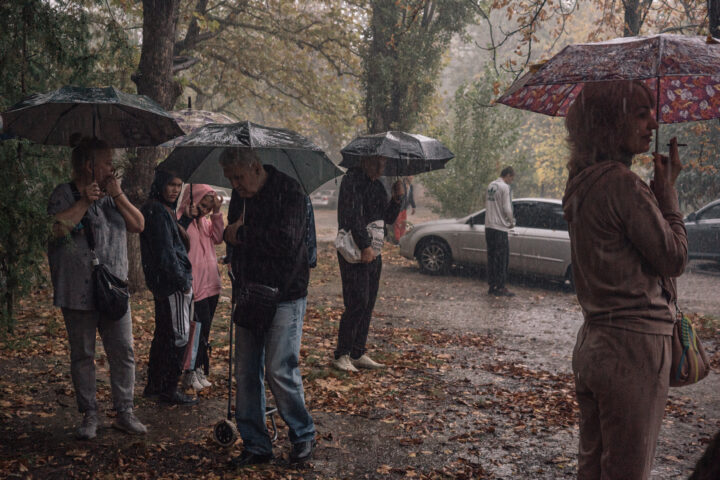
(343, 363)
(366, 362)
(202, 378)
(88, 428)
(127, 422)
(190, 380)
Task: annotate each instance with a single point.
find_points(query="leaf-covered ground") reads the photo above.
(454, 403)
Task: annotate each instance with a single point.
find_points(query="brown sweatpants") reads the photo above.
(621, 382)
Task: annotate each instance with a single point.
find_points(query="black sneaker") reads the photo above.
(178, 398)
(249, 458)
(503, 292)
(150, 392)
(302, 451)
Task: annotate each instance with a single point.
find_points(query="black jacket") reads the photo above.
(362, 201)
(272, 238)
(164, 258)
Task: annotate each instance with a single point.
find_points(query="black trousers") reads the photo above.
(498, 252)
(165, 361)
(204, 313)
(360, 282)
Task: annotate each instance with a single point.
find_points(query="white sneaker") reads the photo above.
(367, 362)
(190, 380)
(202, 378)
(343, 363)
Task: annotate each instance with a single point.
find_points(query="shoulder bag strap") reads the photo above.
(87, 226)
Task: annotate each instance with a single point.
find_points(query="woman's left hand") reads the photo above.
(111, 185)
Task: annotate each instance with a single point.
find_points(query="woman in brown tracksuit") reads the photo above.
(628, 242)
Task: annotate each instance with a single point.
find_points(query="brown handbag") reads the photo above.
(689, 361)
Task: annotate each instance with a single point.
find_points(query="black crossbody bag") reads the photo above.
(112, 297)
(255, 303)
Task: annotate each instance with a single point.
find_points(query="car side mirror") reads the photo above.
(692, 217)
(471, 222)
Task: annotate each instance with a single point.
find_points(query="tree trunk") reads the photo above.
(154, 79)
(714, 17)
(635, 11)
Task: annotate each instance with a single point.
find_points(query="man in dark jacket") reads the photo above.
(362, 200)
(267, 227)
(168, 275)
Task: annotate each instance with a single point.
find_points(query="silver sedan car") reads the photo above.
(539, 243)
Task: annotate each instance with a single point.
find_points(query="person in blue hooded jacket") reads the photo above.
(168, 275)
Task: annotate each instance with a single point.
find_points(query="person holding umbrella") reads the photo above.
(628, 243)
(203, 222)
(362, 200)
(267, 228)
(94, 200)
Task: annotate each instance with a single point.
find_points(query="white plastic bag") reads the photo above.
(345, 243)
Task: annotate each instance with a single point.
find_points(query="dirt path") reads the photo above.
(477, 387)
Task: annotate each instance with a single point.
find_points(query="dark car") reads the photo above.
(703, 231)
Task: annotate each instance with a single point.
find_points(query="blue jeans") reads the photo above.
(274, 354)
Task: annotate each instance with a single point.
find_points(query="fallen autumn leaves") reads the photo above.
(444, 396)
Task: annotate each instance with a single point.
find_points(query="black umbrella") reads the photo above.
(196, 158)
(405, 153)
(120, 119)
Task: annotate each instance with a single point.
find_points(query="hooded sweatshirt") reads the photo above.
(164, 258)
(626, 247)
(204, 234)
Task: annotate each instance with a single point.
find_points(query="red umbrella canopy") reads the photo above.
(683, 71)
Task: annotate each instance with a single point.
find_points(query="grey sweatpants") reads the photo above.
(118, 343)
(621, 382)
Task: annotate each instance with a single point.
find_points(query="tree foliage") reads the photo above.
(44, 46)
(405, 43)
(483, 139)
(290, 64)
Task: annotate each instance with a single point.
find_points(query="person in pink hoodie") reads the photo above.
(199, 214)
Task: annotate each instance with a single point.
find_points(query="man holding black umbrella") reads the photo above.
(267, 225)
(362, 200)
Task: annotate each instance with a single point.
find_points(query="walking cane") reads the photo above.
(225, 432)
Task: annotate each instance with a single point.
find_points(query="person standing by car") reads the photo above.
(362, 200)
(168, 275)
(400, 225)
(267, 228)
(628, 242)
(498, 221)
(95, 201)
(204, 225)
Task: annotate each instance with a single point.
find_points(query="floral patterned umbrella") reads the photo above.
(682, 71)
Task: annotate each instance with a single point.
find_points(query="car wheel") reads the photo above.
(434, 257)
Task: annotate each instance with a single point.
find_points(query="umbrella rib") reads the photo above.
(57, 123)
(297, 174)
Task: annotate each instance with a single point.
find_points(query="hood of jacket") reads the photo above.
(157, 188)
(199, 191)
(578, 186)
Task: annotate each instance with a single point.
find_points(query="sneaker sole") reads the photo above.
(127, 430)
